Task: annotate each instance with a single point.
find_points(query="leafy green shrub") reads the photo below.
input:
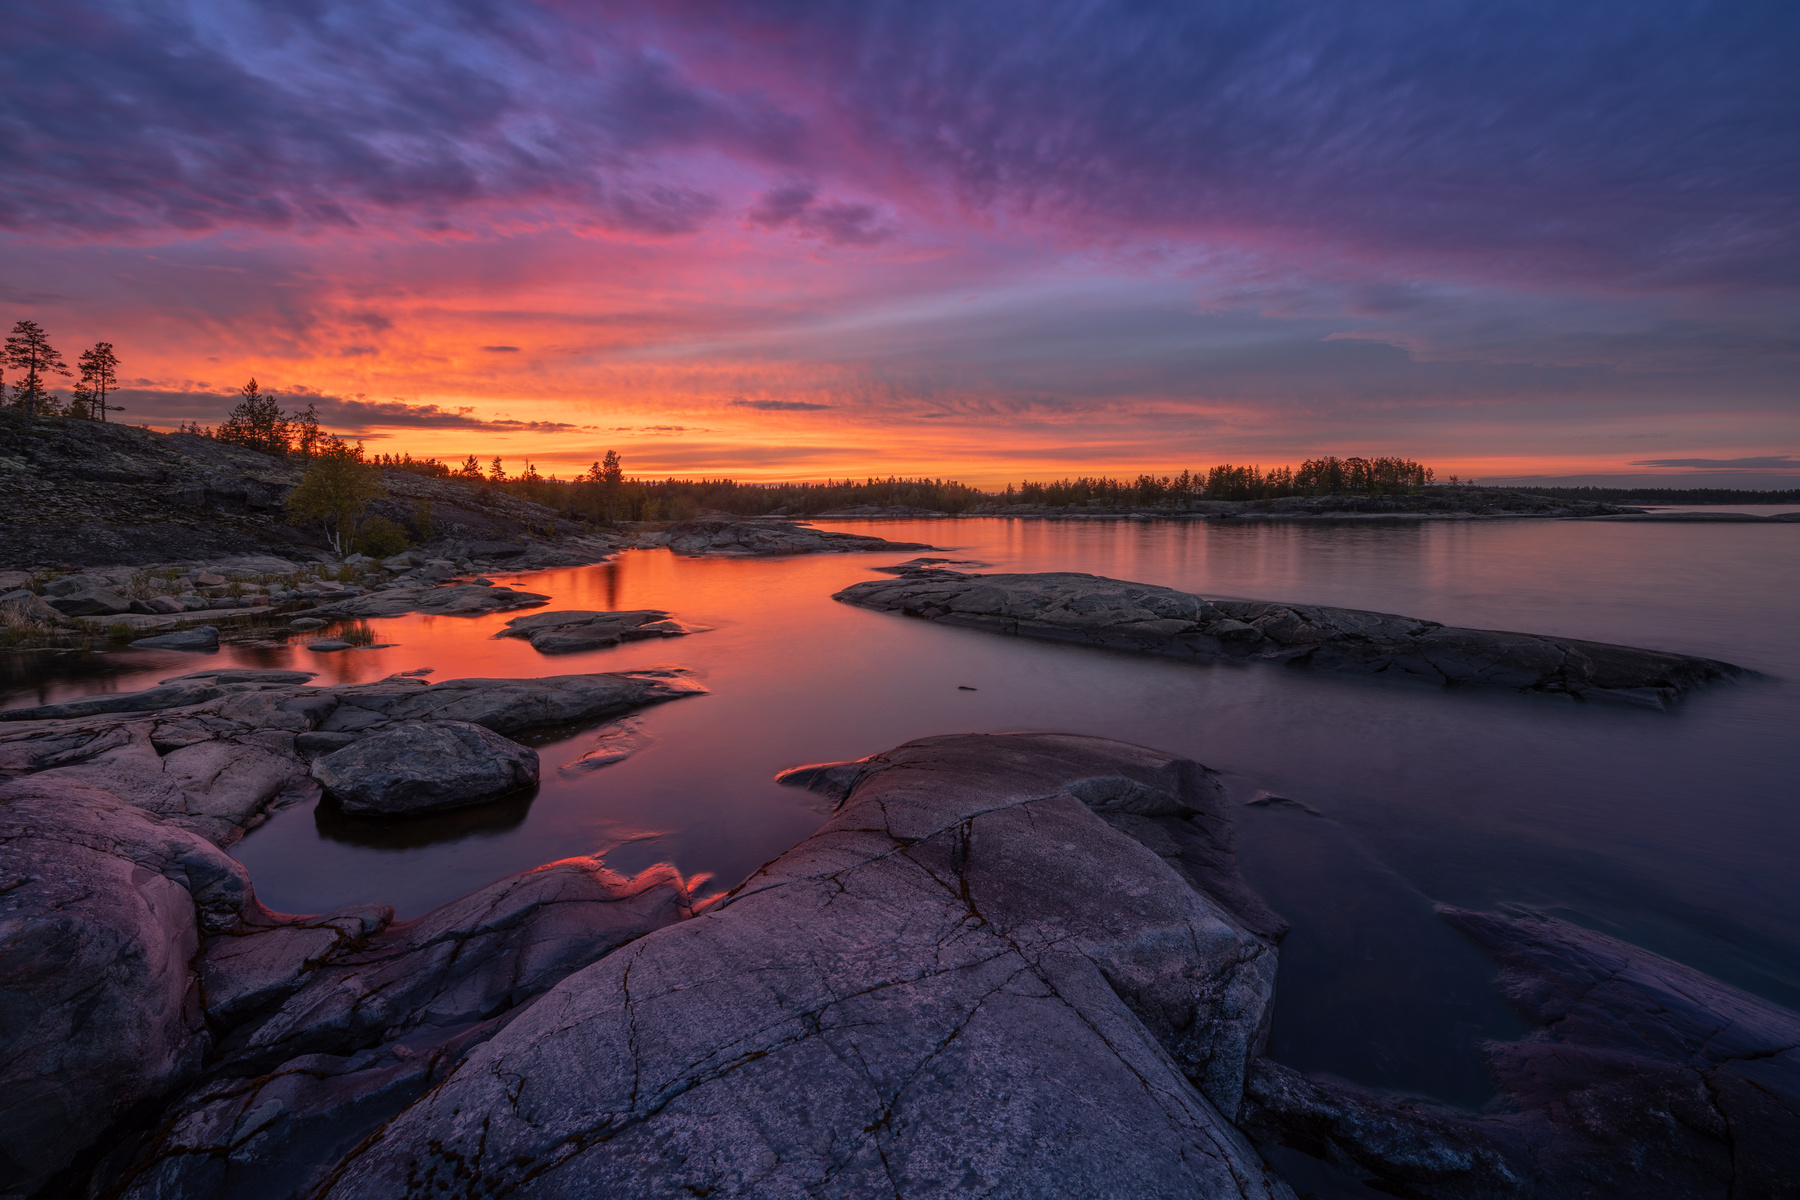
(381, 538)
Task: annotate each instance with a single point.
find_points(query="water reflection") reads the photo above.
(417, 832)
(1673, 830)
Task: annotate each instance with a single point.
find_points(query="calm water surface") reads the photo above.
(1675, 830)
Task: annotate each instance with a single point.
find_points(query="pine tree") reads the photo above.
(498, 474)
(471, 469)
(99, 377)
(28, 350)
(256, 423)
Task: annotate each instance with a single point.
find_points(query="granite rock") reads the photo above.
(922, 1000)
(739, 539)
(579, 629)
(426, 767)
(1093, 610)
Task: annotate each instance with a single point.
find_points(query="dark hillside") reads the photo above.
(83, 493)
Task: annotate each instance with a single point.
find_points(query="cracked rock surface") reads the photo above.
(1094, 610)
(113, 812)
(970, 982)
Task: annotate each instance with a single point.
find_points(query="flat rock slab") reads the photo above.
(581, 629)
(921, 1000)
(451, 600)
(1093, 610)
(740, 539)
(426, 767)
(206, 637)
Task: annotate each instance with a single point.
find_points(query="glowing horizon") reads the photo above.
(806, 243)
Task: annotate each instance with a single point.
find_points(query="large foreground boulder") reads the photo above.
(966, 983)
(102, 911)
(332, 1025)
(1093, 610)
(426, 768)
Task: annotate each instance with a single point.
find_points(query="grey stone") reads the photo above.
(922, 1000)
(30, 606)
(425, 768)
(738, 539)
(318, 741)
(90, 602)
(328, 645)
(97, 930)
(1090, 609)
(305, 623)
(455, 600)
(579, 629)
(205, 637)
(68, 585)
(345, 1021)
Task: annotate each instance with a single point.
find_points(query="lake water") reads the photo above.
(1677, 831)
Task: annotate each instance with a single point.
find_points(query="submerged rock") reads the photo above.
(426, 768)
(580, 629)
(737, 539)
(1646, 1078)
(923, 999)
(1091, 609)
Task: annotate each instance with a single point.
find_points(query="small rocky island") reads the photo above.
(1096, 611)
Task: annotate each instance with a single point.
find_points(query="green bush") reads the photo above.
(381, 538)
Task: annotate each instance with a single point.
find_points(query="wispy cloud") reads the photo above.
(1771, 462)
(779, 405)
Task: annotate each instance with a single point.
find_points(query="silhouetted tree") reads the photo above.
(28, 350)
(256, 423)
(498, 473)
(304, 430)
(99, 376)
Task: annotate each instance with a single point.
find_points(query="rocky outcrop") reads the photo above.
(211, 750)
(923, 999)
(102, 908)
(1094, 610)
(1647, 1078)
(112, 813)
(578, 629)
(93, 493)
(321, 1029)
(450, 600)
(742, 539)
(426, 768)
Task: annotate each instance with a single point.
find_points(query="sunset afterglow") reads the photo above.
(773, 243)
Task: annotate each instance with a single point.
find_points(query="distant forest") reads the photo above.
(1666, 495)
(603, 493)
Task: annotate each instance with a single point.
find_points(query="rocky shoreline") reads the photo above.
(1015, 964)
(1146, 619)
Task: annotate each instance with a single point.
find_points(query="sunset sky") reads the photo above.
(785, 240)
